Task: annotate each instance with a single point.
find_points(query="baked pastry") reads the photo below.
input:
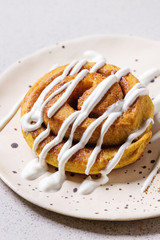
(109, 89)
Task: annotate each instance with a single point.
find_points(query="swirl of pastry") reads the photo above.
(77, 108)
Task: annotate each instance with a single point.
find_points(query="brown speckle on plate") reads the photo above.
(75, 189)
(152, 161)
(143, 166)
(14, 145)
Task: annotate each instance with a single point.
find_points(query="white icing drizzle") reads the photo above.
(52, 183)
(155, 137)
(93, 56)
(40, 138)
(89, 185)
(98, 65)
(36, 113)
(78, 66)
(52, 110)
(153, 173)
(79, 116)
(146, 77)
(120, 106)
(87, 108)
(72, 117)
(8, 117)
(132, 97)
(156, 103)
(63, 158)
(121, 150)
(58, 138)
(92, 158)
(34, 169)
(37, 168)
(86, 136)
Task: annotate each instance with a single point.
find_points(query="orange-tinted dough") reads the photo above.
(117, 134)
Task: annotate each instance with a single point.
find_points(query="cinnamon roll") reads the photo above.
(81, 116)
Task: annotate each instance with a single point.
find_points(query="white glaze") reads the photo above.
(8, 117)
(92, 158)
(52, 183)
(33, 170)
(40, 138)
(37, 168)
(146, 77)
(121, 106)
(78, 66)
(36, 113)
(58, 138)
(121, 150)
(156, 103)
(86, 135)
(151, 176)
(93, 56)
(155, 137)
(58, 104)
(63, 158)
(55, 181)
(87, 108)
(125, 104)
(100, 63)
(129, 100)
(89, 185)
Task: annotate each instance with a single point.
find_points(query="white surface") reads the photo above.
(26, 26)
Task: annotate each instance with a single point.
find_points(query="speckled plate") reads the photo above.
(121, 198)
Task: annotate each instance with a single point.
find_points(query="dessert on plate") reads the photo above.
(86, 117)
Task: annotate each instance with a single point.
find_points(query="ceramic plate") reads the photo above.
(121, 198)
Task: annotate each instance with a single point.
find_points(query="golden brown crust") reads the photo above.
(77, 163)
(117, 134)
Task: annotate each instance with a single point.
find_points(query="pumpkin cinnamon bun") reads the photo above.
(87, 117)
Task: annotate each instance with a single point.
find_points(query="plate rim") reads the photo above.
(44, 49)
(35, 54)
